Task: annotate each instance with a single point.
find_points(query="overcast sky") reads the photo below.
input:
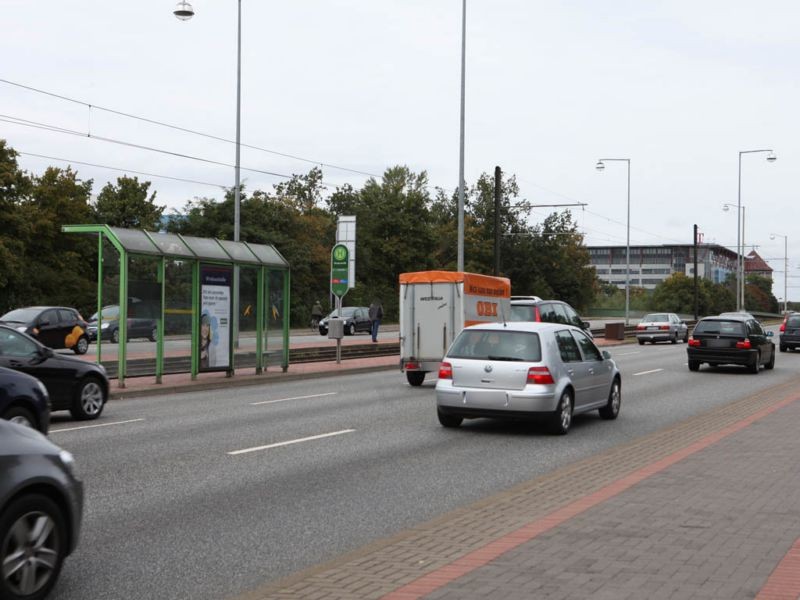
(678, 87)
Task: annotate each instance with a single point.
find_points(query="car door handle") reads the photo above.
(591, 371)
(571, 371)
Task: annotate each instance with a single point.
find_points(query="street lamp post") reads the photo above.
(460, 242)
(772, 236)
(739, 252)
(600, 166)
(184, 11)
(739, 228)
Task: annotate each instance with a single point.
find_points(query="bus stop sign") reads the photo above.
(339, 270)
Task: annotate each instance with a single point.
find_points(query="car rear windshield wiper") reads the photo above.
(493, 357)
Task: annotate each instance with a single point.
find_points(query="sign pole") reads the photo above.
(340, 269)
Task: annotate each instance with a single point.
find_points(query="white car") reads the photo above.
(522, 370)
(662, 327)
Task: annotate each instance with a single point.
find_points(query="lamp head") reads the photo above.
(725, 207)
(771, 157)
(772, 236)
(183, 10)
(600, 166)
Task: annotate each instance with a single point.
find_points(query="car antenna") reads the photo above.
(503, 315)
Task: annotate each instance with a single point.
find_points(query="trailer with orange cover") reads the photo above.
(436, 305)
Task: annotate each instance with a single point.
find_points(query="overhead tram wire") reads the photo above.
(121, 170)
(185, 129)
(54, 128)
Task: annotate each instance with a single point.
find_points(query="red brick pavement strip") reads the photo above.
(784, 582)
(787, 580)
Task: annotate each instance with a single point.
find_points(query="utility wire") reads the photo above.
(184, 129)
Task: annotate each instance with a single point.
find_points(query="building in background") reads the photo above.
(651, 265)
(755, 265)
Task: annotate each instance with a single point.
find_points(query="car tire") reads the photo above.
(82, 345)
(323, 331)
(755, 365)
(771, 364)
(115, 336)
(351, 330)
(23, 516)
(694, 365)
(686, 337)
(153, 334)
(415, 378)
(641, 342)
(561, 419)
(674, 338)
(783, 348)
(611, 410)
(21, 416)
(89, 399)
(447, 420)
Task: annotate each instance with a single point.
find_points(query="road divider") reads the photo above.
(290, 442)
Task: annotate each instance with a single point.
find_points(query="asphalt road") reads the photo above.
(171, 513)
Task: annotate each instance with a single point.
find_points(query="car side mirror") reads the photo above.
(770, 334)
(586, 325)
(606, 354)
(46, 352)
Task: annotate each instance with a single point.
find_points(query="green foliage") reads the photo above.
(126, 205)
(676, 294)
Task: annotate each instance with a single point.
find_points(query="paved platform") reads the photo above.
(709, 508)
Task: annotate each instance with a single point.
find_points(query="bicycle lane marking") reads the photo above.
(480, 557)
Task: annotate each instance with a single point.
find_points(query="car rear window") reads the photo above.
(523, 313)
(720, 327)
(655, 318)
(793, 321)
(496, 344)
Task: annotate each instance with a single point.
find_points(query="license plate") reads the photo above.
(718, 343)
(652, 329)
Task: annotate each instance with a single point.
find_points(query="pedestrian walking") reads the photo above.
(316, 314)
(375, 316)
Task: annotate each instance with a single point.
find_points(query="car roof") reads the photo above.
(728, 317)
(524, 326)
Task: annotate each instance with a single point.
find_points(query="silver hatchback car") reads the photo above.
(524, 369)
(662, 327)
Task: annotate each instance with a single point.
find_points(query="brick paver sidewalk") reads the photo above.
(709, 508)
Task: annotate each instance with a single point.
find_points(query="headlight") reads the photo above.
(21, 328)
(43, 389)
(104, 325)
(68, 461)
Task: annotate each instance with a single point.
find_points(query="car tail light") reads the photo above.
(445, 371)
(640, 327)
(540, 375)
(664, 327)
(538, 315)
(412, 365)
(783, 326)
(745, 345)
(694, 343)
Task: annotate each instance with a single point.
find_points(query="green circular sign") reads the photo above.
(340, 270)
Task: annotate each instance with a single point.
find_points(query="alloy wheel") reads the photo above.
(92, 398)
(30, 553)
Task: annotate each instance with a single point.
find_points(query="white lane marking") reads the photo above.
(625, 354)
(647, 372)
(92, 426)
(295, 398)
(290, 442)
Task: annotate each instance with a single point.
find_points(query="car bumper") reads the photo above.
(654, 336)
(483, 402)
(790, 340)
(722, 357)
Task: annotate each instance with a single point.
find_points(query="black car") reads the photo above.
(356, 318)
(731, 340)
(74, 384)
(138, 327)
(533, 308)
(24, 400)
(790, 332)
(54, 326)
(41, 510)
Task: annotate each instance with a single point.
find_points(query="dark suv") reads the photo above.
(533, 308)
(54, 326)
(731, 340)
(790, 332)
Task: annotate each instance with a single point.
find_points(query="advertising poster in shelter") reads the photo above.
(215, 317)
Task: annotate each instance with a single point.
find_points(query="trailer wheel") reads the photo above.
(415, 378)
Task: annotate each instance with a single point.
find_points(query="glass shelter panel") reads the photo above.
(135, 240)
(245, 350)
(238, 251)
(144, 314)
(275, 305)
(268, 255)
(170, 244)
(206, 248)
(178, 316)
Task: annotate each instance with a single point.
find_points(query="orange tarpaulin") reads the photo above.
(474, 284)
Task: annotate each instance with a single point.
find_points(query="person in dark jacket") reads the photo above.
(375, 316)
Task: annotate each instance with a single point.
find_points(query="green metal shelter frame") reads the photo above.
(206, 251)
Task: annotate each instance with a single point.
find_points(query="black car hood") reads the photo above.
(16, 439)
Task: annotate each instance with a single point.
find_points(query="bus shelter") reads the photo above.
(230, 300)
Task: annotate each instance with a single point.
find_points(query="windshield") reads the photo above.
(21, 315)
(720, 327)
(497, 345)
(793, 322)
(109, 312)
(655, 318)
(347, 312)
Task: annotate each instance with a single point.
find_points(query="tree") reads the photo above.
(15, 187)
(126, 204)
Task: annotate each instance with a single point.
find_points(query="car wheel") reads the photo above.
(694, 365)
(323, 331)
(783, 348)
(561, 419)
(115, 336)
(415, 378)
(352, 329)
(153, 334)
(611, 410)
(641, 342)
(674, 338)
(33, 544)
(21, 416)
(449, 421)
(771, 364)
(89, 399)
(82, 346)
(755, 365)
(686, 337)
